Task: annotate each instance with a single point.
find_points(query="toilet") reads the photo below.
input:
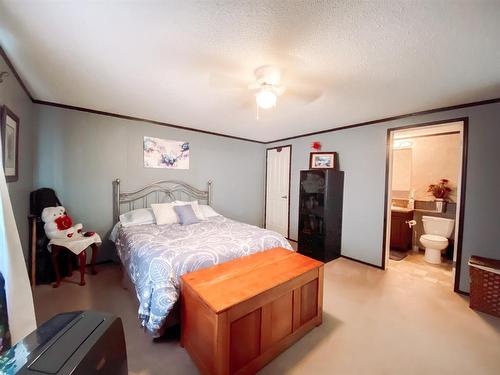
(437, 231)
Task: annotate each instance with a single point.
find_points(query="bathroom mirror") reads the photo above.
(401, 169)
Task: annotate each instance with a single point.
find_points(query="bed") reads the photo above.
(154, 257)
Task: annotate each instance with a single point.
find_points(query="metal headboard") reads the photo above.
(157, 192)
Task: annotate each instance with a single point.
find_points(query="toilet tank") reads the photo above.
(438, 226)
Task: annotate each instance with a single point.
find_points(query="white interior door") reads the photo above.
(277, 189)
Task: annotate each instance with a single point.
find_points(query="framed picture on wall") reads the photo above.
(9, 128)
(323, 160)
(165, 153)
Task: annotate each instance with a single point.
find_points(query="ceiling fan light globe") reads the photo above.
(266, 99)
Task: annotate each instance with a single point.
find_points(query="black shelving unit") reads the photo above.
(320, 213)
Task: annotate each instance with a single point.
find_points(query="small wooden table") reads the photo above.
(82, 258)
(237, 316)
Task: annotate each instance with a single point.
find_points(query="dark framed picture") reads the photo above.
(323, 160)
(9, 128)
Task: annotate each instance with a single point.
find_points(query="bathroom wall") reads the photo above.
(435, 157)
(432, 158)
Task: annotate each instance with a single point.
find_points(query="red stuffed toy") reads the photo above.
(58, 224)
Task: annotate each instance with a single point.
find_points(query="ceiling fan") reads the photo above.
(267, 87)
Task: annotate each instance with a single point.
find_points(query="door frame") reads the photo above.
(289, 186)
(463, 181)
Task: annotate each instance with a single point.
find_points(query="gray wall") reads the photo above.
(13, 96)
(80, 154)
(362, 153)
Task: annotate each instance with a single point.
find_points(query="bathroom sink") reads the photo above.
(400, 209)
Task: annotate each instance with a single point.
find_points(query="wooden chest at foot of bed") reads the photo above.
(237, 316)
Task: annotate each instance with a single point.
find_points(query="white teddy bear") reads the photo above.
(58, 224)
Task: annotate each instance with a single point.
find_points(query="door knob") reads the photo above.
(284, 196)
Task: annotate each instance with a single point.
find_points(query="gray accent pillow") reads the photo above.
(186, 214)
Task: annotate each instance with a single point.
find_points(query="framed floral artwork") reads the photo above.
(164, 153)
(9, 129)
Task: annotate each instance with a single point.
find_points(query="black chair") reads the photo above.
(41, 268)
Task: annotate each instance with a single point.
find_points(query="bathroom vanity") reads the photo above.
(401, 233)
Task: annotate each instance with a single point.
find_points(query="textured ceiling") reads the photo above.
(169, 60)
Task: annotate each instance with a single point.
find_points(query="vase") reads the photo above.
(440, 205)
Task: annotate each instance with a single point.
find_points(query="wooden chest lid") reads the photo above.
(233, 282)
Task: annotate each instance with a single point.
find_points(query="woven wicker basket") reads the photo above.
(485, 285)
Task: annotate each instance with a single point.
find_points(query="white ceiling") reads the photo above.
(156, 59)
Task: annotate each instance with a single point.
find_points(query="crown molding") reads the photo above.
(386, 119)
(14, 71)
(140, 119)
(111, 114)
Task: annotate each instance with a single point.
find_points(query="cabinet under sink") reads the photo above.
(401, 233)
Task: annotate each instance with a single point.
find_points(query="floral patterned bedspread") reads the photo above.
(156, 256)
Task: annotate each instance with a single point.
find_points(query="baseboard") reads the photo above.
(462, 292)
(362, 262)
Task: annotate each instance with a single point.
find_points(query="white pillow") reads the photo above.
(207, 211)
(165, 213)
(138, 217)
(196, 208)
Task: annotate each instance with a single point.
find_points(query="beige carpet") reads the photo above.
(375, 322)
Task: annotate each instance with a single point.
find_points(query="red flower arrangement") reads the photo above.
(440, 190)
(316, 146)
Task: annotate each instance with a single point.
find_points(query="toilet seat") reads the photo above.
(434, 238)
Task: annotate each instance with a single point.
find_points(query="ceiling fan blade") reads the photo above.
(308, 95)
(279, 90)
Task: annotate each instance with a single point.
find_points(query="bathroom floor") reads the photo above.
(414, 266)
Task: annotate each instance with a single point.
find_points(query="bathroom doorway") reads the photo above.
(425, 190)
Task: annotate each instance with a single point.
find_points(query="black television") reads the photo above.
(76, 343)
